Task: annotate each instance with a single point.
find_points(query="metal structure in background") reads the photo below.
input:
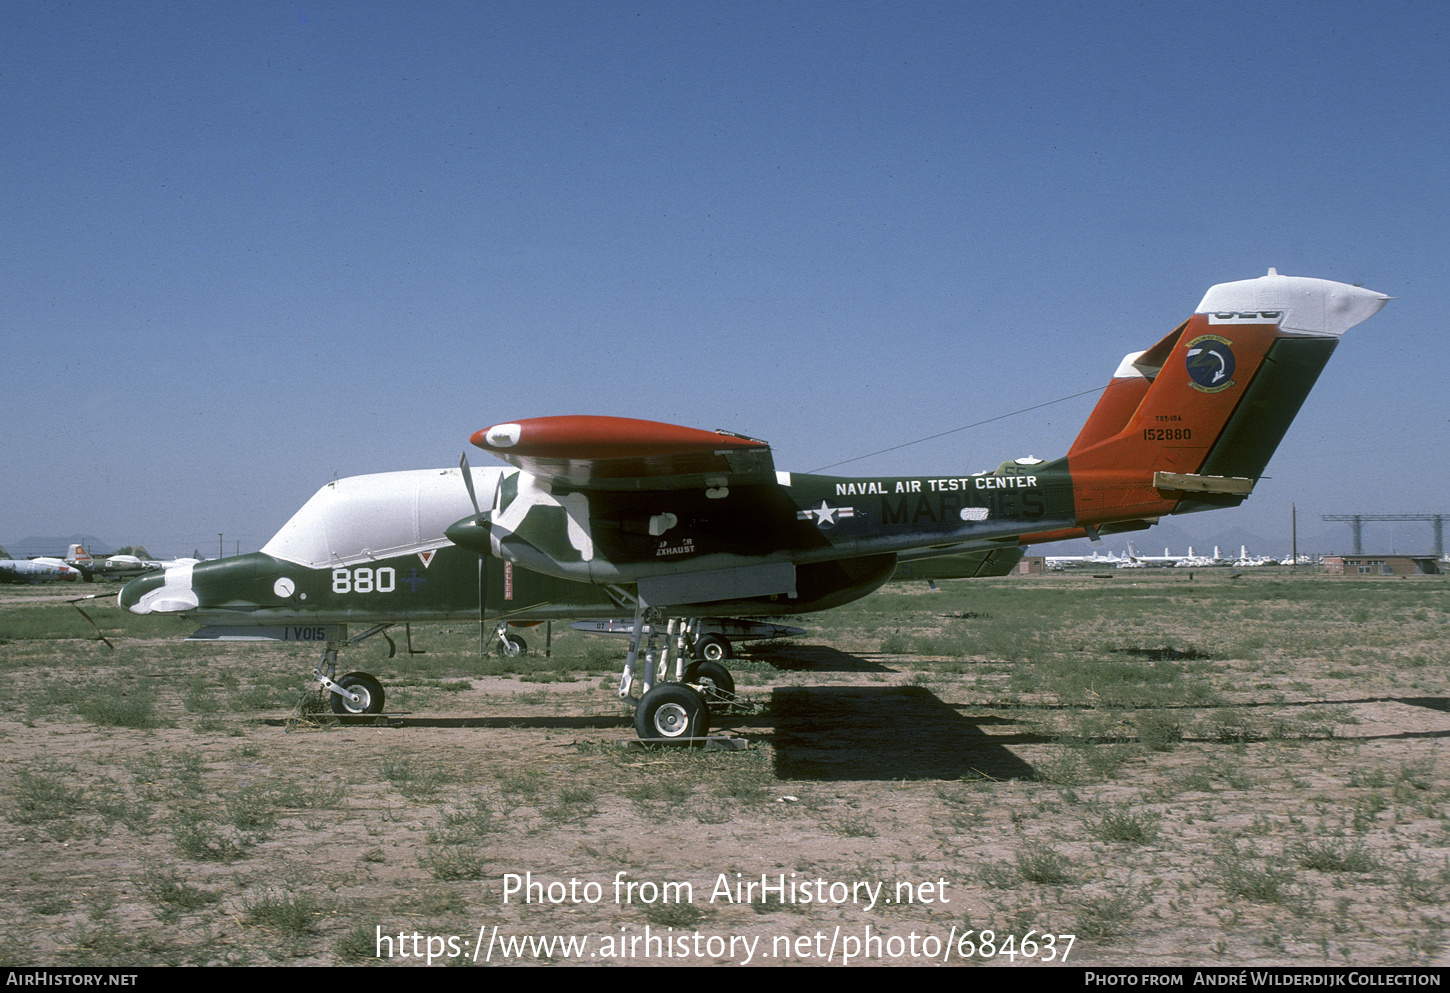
(1356, 523)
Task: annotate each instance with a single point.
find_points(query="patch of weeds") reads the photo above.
(1104, 761)
(291, 914)
(850, 824)
(746, 780)
(1063, 766)
(198, 697)
(649, 792)
(1123, 824)
(114, 705)
(204, 840)
(1230, 726)
(523, 783)
(1333, 856)
(101, 902)
(187, 768)
(251, 810)
(474, 820)
(1158, 731)
(40, 794)
(359, 944)
(1366, 809)
(1040, 863)
(895, 644)
(576, 803)
(601, 655)
(454, 862)
(1420, 889)
(1373, 778)
(1104, 918)
(1418, 775)
(413, 780)
(435, 903)
(681, 915)
(50, 903)
(107, 946)
(998, 875)
(172, 895)
(1240, 876)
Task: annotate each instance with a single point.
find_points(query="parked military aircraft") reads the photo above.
(697, 521)
(677, 524)
(34, 570)
(1095, 560)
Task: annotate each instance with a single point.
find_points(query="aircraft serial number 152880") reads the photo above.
(602, 514)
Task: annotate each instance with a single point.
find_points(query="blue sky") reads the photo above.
(249, 247)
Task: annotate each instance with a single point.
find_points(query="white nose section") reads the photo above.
(174, 597)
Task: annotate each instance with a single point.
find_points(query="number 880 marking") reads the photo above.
(384, 580)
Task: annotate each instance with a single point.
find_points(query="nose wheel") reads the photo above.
(367, 690)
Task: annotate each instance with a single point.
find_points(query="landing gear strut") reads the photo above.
(356, 692)
(675, 706)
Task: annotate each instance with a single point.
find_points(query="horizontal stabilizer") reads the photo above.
(1187, 482)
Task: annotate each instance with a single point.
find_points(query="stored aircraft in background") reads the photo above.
(39, 570)
(1094, 560)
(678, 524)
(128, 563)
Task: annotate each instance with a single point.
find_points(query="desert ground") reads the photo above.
(1143, 768)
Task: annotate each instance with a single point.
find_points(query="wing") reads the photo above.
(621, 453)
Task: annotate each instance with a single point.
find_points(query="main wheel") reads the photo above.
(712, 648)
(715, 682)
(366, 687)
(514, 646)
(672, 710)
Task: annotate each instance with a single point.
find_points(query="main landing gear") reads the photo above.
(678, 710)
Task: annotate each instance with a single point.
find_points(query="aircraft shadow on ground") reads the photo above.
(814, 658)
(519, 721)
(883, 732)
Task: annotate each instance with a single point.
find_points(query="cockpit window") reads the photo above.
(363, 518)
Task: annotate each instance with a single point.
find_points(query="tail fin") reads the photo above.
(1191, 423)
(78, 553)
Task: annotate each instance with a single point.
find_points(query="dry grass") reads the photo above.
(1222, 772)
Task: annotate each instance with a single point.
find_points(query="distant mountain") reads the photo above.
(57, 547)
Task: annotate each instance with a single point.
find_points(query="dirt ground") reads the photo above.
(163, 803)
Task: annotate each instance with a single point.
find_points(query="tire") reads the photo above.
(716, 684)
(364, 686)
(713, 648)
(671, 710)
(514, 646)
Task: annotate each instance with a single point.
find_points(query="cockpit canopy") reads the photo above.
(363, 518)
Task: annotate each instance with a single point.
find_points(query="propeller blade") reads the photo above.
(468, 480)
(482, 558)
